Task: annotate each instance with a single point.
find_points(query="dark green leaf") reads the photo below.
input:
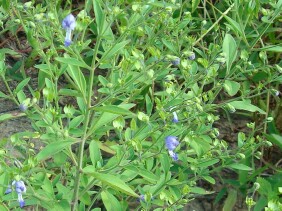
(195, 4)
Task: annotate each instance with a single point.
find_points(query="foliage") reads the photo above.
(123, 114)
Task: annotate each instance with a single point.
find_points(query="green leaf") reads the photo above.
(165, 163)
(110, 201)
(114, 110)
(73, 62)
(21, 85)
(106, 117)
(99, 16)
(114, 49)
(275, 139)
(265, 187)
(103, 80)
(230, 201)
(114, 182)
(94, 151)
(271, 48)
(149, 105)
(240, 166)
(52, 149)
(148, 175)
(2, 95)
(209, 179)
(69, 92)
(76, 121)
(210, 162)
(4, 117)
(78, 78)
(195, 4)
(247, 106)
(199, 190)
(171, 46)
(8, 51)
(234, 26)
(230, 50)
(231, 87)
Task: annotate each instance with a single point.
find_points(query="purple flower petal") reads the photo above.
(22, 107)
(69, 22)
(192, 56)
(171, 142)
(20, 187)
(20, 200)
(173, 155)
(8, 190)
(175, 117)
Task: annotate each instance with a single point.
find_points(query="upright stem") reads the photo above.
(86, 122)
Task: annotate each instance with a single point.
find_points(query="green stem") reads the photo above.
(86, 122)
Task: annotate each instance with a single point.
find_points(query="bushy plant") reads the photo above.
(125, 100)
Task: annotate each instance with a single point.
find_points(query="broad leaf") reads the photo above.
(231, 87)
(110, 201)
(230, 50)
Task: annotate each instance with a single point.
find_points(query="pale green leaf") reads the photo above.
(240, 166)
(230, 50)
(247, 106)
(114, 182)
(231, 87)
(53, 148)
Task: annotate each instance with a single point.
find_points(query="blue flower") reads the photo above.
(191, 56)
(141, 198)
(20, 200)
(8, 190)
(173, 155)
(22, 107)
(176, 61)
(68, 24)
(20, 188)
(175, 117)
(171, 142)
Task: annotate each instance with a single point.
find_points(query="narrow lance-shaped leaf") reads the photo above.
(114, 182)
(114, 49)
(53, 148)
(99, 15)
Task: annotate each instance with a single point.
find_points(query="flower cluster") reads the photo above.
(171, 143)
(20, 188)
(68, 24)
